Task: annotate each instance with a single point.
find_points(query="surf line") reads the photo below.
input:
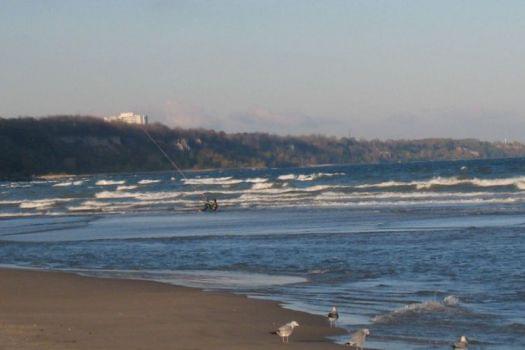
(173, 164)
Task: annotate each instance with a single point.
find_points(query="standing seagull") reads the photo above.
(285, 331)
(462, 343)
(358, 339)
(333, 315)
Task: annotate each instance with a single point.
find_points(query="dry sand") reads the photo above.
(52, 310)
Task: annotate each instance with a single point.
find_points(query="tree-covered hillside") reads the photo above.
(79, 145)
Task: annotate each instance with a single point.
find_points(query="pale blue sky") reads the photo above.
(385, 69)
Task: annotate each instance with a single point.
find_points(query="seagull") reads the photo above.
(285, 331)
(462, 343)
(358, 338)
(333, 315)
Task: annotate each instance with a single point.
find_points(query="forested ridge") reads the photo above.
(82, 145)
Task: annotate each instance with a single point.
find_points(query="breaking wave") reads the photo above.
(137, 195)
(213, 181)
(261, 186)
(42, 203)
(257, 180)
(126, 188)
(307, 177)
(148, 181)
(109, 182)
(68, 183)
(517, 182)
(412, 310)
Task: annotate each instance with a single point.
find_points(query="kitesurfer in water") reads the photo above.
(210, 205)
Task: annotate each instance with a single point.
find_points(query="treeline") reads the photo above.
(81, 145)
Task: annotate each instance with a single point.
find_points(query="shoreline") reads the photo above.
(60, 310)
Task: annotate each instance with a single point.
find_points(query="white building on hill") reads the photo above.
(128, 117)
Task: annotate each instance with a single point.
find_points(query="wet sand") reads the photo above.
(53, 310)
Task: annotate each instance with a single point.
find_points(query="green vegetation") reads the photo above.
(81, 145)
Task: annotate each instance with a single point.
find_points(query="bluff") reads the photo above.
(82, 145)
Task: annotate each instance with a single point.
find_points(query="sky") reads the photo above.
(368, 69)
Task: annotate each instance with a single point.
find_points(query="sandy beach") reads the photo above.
(53, 310)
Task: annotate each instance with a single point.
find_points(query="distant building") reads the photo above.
(128, 117)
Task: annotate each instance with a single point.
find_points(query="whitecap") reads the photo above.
(42, 203)
(518, 182)
(256, 180)
(126, 188)
(212, 181)
(410, 310)
(307, 177)
(109, 182)
(147, 182)
(68, 183)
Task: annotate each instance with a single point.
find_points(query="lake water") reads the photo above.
(419, 253)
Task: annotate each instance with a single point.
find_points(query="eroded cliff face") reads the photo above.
(67, 144)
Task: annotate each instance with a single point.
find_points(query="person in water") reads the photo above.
(210, 205)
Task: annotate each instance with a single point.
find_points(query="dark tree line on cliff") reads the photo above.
(80, 145)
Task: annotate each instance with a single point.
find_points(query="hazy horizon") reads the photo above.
(366, 69)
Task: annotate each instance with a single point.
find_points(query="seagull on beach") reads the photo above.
(285, 331)
(357, 341)
(462, 343)
(333, 315)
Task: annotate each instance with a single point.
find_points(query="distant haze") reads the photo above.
(373, 69)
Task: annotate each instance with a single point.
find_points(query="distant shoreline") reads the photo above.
(56, 146)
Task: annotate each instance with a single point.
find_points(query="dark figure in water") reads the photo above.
(210, 205)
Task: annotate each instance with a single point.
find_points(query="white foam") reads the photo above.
(148, 181)
(212, 181)
(11, 202)
(518, 182)
(307, 177)
(89, 206)
(333, 195)
(42, 203)
(109, 182)
(137, 195)
(287, 177)
(451, 300)
(256, 180)
(68, 183)
(126, 188)
(416, 308)
(261, 186)
(15, 215)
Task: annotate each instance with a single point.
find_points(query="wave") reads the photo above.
(148, 181)
(334, 195)
(307, 177)
(68, 183)
(212, 181)
(42, 203)
(261, 186)
(137, 195)
(401, 203)
(15, 215)
(89, 206)
(451, 300)
(517, 182)
(412, 310)
(256, 180)
(125, 188)
(109, 182)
